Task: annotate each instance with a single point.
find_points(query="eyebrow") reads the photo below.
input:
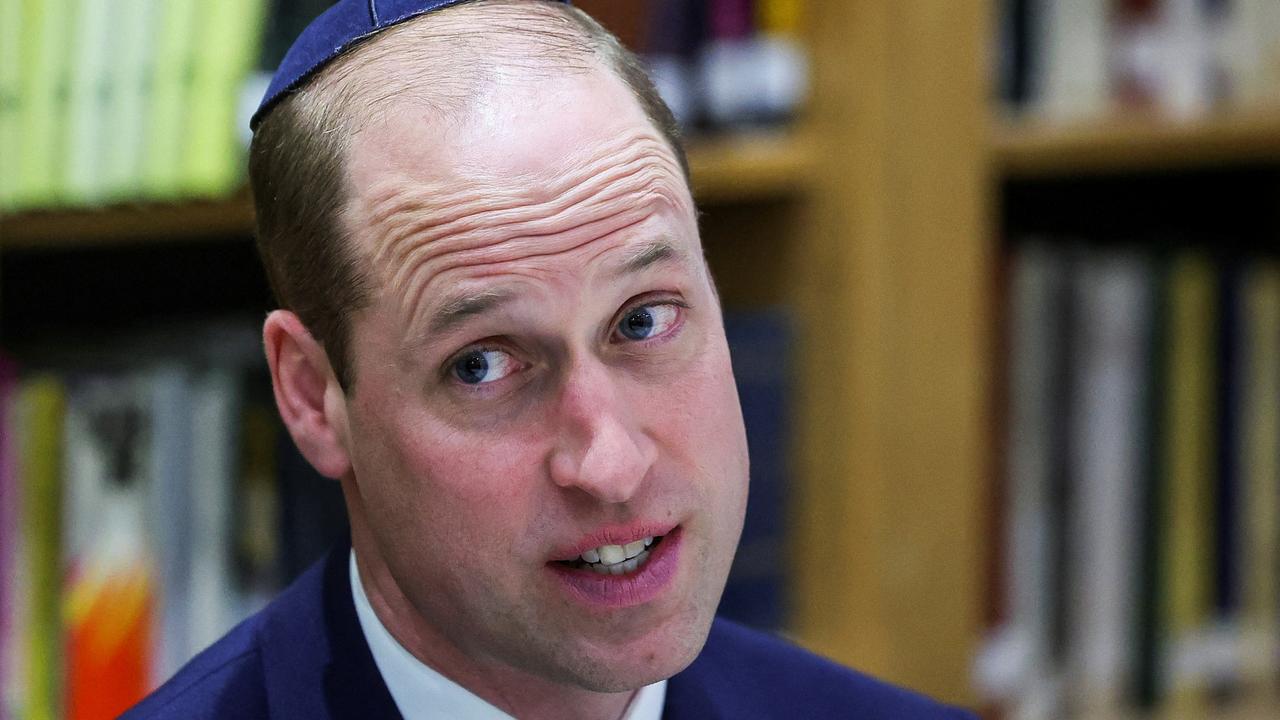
(456, 310)
(459, 309)
(647, 256)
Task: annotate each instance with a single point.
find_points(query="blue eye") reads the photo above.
(483, 366)
(647, 321)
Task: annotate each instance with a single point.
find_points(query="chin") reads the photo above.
(656, 656)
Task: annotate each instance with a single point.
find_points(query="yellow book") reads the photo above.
(1260, 489)
(1189, 459)
(40, 408)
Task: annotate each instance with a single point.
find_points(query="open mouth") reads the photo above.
(615, 559)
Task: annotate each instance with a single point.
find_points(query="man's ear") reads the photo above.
(307, 393)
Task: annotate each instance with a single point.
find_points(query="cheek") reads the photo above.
(699, 414)
(456, 490)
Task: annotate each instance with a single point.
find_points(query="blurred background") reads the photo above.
(1002, 280)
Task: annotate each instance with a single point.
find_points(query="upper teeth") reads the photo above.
(614, 554)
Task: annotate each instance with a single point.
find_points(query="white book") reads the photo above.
(1254, 46)
(1070, 81)
(133, 30)
(215, 421)
(1112, 293)
(1038, 283)
(168, 390)
(85, 127)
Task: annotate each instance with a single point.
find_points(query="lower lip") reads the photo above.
(620, 591)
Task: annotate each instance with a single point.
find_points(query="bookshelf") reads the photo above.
(869, 222)
(874, 221)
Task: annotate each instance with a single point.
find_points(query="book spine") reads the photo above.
(1259, 449)
(1112, 294)
(41, 406)
(1189, 511)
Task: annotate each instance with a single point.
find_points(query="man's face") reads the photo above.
(543, 372)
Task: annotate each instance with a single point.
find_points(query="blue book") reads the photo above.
(760, 345)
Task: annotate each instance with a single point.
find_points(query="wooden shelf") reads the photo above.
(750, 166)
(1027, 149)
(732, 169)
(134, 222)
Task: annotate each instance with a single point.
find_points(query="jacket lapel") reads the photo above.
(316, 663)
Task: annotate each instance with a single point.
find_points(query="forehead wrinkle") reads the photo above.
(441, 267)
(439, 205)
(420, 237)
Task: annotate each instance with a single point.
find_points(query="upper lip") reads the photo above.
(612, 535)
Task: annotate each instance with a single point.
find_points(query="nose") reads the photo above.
(600, 448)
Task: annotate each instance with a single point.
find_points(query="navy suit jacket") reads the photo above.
(304, 656)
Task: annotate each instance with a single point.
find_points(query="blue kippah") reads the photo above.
(333, 32)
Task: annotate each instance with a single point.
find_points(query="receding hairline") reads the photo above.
(443, 59)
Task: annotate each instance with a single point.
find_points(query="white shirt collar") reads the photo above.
(421, 693)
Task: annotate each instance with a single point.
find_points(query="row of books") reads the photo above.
(106, 101)
(1139, 556)
(111, 100)
(1079, 59)
(148, 506)
(719, 64)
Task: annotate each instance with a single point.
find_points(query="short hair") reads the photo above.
(297, 159)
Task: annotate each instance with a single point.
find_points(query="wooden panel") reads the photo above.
(895, 432)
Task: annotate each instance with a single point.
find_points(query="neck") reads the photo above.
(510, 689)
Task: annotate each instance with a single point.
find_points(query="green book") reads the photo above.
(168, 88)
(10, 95)
(228, 49)
(43, 88)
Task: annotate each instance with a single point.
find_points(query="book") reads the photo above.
(1112, 293)
(43, 91)
(1071, 79)
(11, 53)
(226, 49)
(169, 98)
(1259, 452)
(215, 408)
(168, 397)
(759, 343)
(1020, 668)
(110, 587)
(10, 515)
(85, 133)
(1189, 509)
(40, 409)
(125, 119)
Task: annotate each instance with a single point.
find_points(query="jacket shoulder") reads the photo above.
(225, 680)
(746, 673)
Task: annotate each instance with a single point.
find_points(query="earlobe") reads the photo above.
(303, 380)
